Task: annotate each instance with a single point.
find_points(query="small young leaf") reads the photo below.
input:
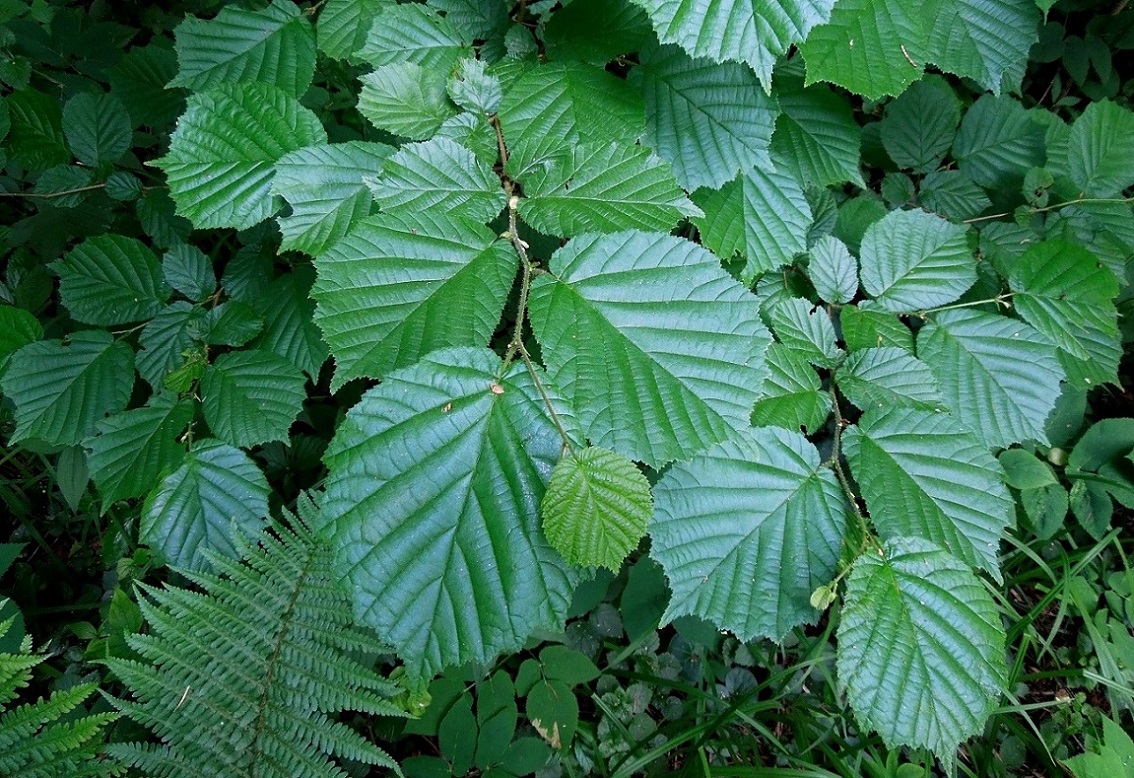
(251, 397)
(474, 89)
(111, 279)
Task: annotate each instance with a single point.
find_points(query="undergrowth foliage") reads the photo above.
(605, 270)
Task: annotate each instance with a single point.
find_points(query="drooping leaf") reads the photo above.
(998, 375)
(816, 134)
(709, 121)
(394, 290)
(625, 321)
(289, 326)
(596, 507)
(921, 647)
(833, 270)
(274, 44)
(251, 397)
(753, 515)
(223, 153)
(762, 215)
(342, 25)
(920, 125)
(1101, 149)
(603, 189)
(217, 494)
(432, 504)
(913, 260)
(325, 188)
(18, 328)
(951, 492)
(413, 33)
(998, 142)
(754, 31)
(406, 99)
(97, 128)
(792, 395)
(806, 329)
(190, 271)
(132, 449)
(111, 279)
(888, 377)
(62, 389)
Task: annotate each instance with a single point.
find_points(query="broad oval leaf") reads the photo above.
(949, 491)
(660, 352)
(406, 99)
(217, 494)
(435, 481)
(1100, 151)
(817, 137)
(413, 33)
(596, 507)
(887, 377)
(832, 270)
(111, 279)
(222, 155)
(251, 397)
(97, 128)
(920, 125)
(747, 530)
(793, 395)
(190, 271)
(998, 142)
(921, 647)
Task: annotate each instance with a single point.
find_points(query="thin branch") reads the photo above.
(999, 300)
(51, 195)
(1057, 206)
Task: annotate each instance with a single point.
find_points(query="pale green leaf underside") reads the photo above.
(913, 260)
(110, 280)
(833, 271)
(275, 44)
(806, 330)
(217, 493)
(394, 290)
(223, 153)
(432, 503)
(708, 120)
(251, 397)
(921, 647)
(658, 349)
(888, 377)
(747, 530)
(596, 507)
(324, 187)
(950, 491)
(61, 391)
(603, 189)
(405, 99)
(998, 375)
(793, 397)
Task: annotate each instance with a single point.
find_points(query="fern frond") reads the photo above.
(246, 677)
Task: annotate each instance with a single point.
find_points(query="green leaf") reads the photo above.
(138, 79)
(413, 33)
(166, 339)
(405, 99)
(474, 89)
(97, 128)
(921, 647)
(603, 189)
(1101, 150)
(251, 397)
(833, 271)
(920, 125)
(953, 195)
(274, 44)
(223, 153)
(36, 137)
(394, 290)
(596, 30)
(624, 321)
(231, 323)
(439, 175)
(65, 185)
(553, 711)
(806, 330)
(985, 40)
(708, 121)
(762, 215)
(289, 327)
(998, 143)
(18, 328)
(190, 271)
(432, 503)
(325, 188)
(754, 31)
(567, 665)
(912, 260)
(1046, 509)
(1061, 290)
(217, 495)
(752, 515)
(133, 449)
(111, 279)
(1023, 470)
(793, 397)
(999, 376)
(72, 476)
(888, 377)
(475, 18)
(61, 390)
(816, 135)
(596, 508)
(951, 492)
(342, 25)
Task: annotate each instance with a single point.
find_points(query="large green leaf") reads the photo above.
(432, 503)
(603, 189)
(747, 530)
(111, 279)
(251, 397)
(413, 33)
(816, 135)
(921, 647)
(133, 448)
(951, 492)
(1101, 149)
(217, 494)
(708, 121)
(440, 175)
(752, 31)
(762, 215)
(274, 44)
(920, 125)
(1060, 289)
(35, 138)
(97, 128)
(596, 507)
(405, 99)
(998, 375)
(658, 349)
(985, 40)
(324, 187)
(793, 395)
(912, 260)
(342, 25)
(887, 377)
(394, 290)
(61, 390)
(998, 143)
(223, 153)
